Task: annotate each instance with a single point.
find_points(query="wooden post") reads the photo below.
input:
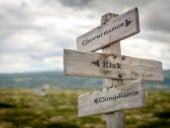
(111, 30)
(116, 119)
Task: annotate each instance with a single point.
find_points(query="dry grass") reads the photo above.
(58, 109)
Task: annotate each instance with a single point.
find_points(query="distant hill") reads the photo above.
(166, 77)
(60, 81)
(54, 79)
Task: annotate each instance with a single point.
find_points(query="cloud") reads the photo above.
(158, 16)
(75, 3)
(34, 33)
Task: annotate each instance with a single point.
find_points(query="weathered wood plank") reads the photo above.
(111, 66)
(114, 119)
(130, 95)
(114, 30)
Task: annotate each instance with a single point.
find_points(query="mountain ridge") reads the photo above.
(60, 81)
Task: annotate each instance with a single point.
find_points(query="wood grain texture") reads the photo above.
(111, 66)
(129, 96)
(114, 119)
(116, 29)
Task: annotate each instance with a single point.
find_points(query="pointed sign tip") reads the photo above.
(128, 22)
(96, 63)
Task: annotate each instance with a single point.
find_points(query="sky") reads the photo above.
(33, 33)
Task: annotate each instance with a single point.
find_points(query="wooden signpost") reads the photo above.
(115, 96)
(114, 30)
(111, 66)
(126, 96)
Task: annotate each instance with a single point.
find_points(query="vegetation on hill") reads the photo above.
(53, 79)
(58, 109)
(60, 81)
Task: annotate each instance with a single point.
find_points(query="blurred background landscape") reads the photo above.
(34, 93)
(49, 100)
(57, 80)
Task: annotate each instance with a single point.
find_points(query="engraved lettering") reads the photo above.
(87, 41)
(107, 64)
(116, 97)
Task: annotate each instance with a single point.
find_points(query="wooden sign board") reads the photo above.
(111, 66)
(127, 96)
(114, 30)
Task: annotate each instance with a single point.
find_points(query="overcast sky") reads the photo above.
(33, 33)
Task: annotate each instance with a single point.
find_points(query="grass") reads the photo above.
(58, 109)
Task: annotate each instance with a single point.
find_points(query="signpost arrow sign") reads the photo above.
(114, 30)
(127, 96)
(111, 66)
(96, 63)
(128, 22)
(115, 96)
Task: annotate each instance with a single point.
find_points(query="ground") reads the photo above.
(26, 108)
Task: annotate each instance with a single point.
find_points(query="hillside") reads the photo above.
(53, 79)
(166, 77)
(58, 109)
(60, 81)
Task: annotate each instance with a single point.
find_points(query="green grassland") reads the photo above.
(58, 109)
